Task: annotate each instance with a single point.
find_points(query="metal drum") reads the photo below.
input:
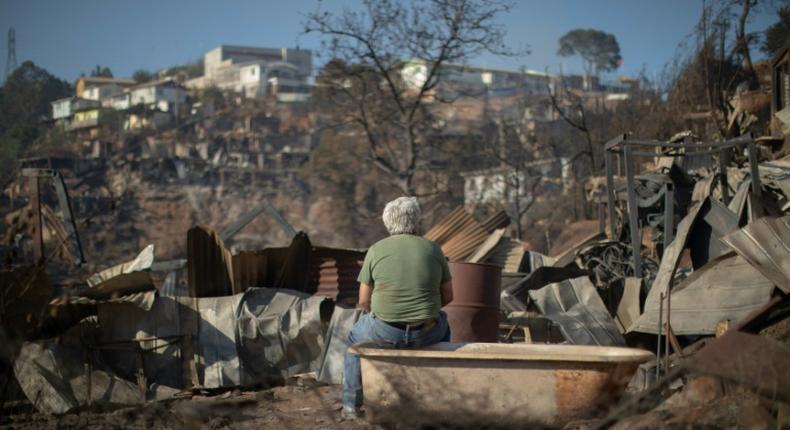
(474, 312)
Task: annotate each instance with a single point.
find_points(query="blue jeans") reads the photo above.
(370, 329)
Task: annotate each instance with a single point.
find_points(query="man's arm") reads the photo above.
(365, 293)
(446, 292)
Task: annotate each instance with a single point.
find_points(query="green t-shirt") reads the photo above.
(406, 273)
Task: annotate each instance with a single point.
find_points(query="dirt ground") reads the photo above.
(287, 407)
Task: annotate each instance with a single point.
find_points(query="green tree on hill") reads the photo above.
(24, 110)
(142, 76)
(777, 34)
(599, 50)
(101, 72)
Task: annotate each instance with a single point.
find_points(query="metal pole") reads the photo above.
(658, 341)
(667, 328)
(669, 215)
(610, 194)
(633, 211)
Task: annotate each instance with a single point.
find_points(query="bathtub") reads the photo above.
(490, 384)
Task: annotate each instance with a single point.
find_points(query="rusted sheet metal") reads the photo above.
(750, 360)
(728, 288)
(448, 226)
(249, 270)
(209, 264)
(474, 312)
(487, 247)
(458, 234)
(508, 254)
(765, 244)
(496, 221)
(576, 307)
(334, 272)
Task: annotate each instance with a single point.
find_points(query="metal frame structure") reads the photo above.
(35, 177)
(622, 144)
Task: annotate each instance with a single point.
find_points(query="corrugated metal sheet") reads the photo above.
(765, 244)
(507, 253)
(239, 340)
(496, 221)
(487, 246)
(536, 260)
(249, 270)
(671, 258)
(727, 288)
(459, 234)
(334, 272)
(209, 264)
(574, 304)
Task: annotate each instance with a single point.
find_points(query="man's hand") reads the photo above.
(446, 291)
(365, 294)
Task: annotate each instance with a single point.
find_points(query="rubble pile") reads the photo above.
(693, 264)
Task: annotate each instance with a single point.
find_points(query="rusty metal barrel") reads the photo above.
(474, 312)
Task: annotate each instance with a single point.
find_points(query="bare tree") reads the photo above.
(389, 59)
(517, 156)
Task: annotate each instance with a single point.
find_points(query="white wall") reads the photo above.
(61, 109)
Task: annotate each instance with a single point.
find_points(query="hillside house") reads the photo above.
(164, 96)
(69, 112)
(98, 88)
(257, 72)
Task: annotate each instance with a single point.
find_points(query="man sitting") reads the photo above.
(404, 283)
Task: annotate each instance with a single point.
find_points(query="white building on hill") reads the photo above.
(257, 72)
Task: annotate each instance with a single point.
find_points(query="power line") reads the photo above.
(10, 63)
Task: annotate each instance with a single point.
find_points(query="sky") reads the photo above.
(72, 37)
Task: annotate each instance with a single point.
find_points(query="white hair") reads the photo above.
(402, 216)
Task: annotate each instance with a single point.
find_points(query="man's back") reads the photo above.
(405, 272)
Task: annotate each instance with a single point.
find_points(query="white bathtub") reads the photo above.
(509, 385)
